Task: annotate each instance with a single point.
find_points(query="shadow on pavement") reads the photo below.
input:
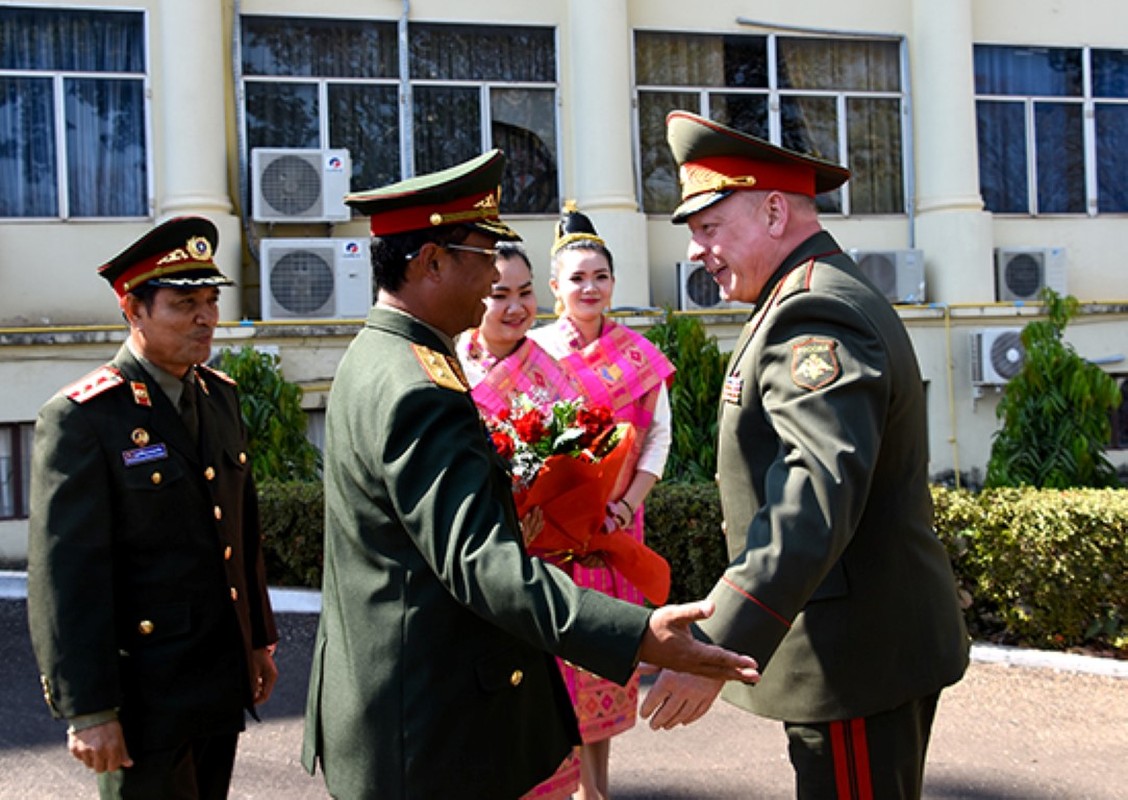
(1003, 733)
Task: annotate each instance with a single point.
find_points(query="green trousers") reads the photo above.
(880, 757)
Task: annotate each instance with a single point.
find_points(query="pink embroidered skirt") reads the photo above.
(603, 708)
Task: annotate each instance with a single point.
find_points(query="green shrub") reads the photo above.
(683, 524)
(293, 521)
(1042, 568)
(272, 412)
(1055, 413)
(694, 396)
(1039, 568)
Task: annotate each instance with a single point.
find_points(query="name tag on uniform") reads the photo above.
(143, 455)
(734, 387)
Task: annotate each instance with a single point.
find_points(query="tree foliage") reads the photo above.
(693, 397)
(1055, 413)
(272, 412)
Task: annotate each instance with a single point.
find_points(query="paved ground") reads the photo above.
(1003, 733)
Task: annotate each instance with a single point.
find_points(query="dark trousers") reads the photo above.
(197, 770)
(880, 757)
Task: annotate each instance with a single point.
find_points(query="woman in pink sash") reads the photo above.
(622, 370)
(501, 363)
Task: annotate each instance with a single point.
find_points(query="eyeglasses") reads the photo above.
(482, 251)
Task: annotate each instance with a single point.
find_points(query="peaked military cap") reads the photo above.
(177, 253)
(714, 161)
(466, 194)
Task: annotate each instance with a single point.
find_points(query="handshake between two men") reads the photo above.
(691, 673)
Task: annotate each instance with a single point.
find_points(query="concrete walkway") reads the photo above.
(1022, 725)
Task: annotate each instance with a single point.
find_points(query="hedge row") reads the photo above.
(1041, 568)
(1047, 568)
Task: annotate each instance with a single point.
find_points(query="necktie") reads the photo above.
(188, 411)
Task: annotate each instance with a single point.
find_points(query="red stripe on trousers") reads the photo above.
(850, 754)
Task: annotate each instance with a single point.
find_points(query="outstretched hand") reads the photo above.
(669, 643)
(678, 699)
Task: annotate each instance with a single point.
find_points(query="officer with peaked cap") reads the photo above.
(147, 603)
(838, 585)
(433, 673)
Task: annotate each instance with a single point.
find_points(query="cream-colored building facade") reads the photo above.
(931, 102)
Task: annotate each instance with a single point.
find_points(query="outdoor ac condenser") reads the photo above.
(315, 278)
(300, 185)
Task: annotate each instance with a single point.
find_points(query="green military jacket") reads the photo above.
(838, 585)
(146, 590)
(433, 673)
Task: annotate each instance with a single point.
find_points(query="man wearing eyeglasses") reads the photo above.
(433, 671)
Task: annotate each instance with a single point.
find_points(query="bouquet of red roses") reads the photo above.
(568, 460)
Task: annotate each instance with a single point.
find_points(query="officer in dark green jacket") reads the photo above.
(433, 674)
(838, 585)
(147, 603)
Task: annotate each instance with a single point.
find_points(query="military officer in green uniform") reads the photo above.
(838, 585)
(147, 603)
(433, 674)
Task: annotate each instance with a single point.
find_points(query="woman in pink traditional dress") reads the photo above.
(622, 370)
(501, 363)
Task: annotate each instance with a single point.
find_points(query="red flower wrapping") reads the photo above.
(573, 494)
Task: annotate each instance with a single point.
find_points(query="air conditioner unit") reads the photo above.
(997, 355)
(300, 185)
(698, 291)
(898, 274)
(1022, 272)
(315, 278)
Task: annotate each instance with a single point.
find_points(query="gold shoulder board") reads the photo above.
(441, 368)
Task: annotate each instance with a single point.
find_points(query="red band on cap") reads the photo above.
(163, 264)
(464, 209)
(721, 173)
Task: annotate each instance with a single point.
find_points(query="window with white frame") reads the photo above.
(481, 86)
(1052, 129)
(15, 467)
(838, 99)
(337, 83)
(73, 114)
(1110, 128)
(320, 83)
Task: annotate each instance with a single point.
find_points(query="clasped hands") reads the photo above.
(620, 513)
(692, 672)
